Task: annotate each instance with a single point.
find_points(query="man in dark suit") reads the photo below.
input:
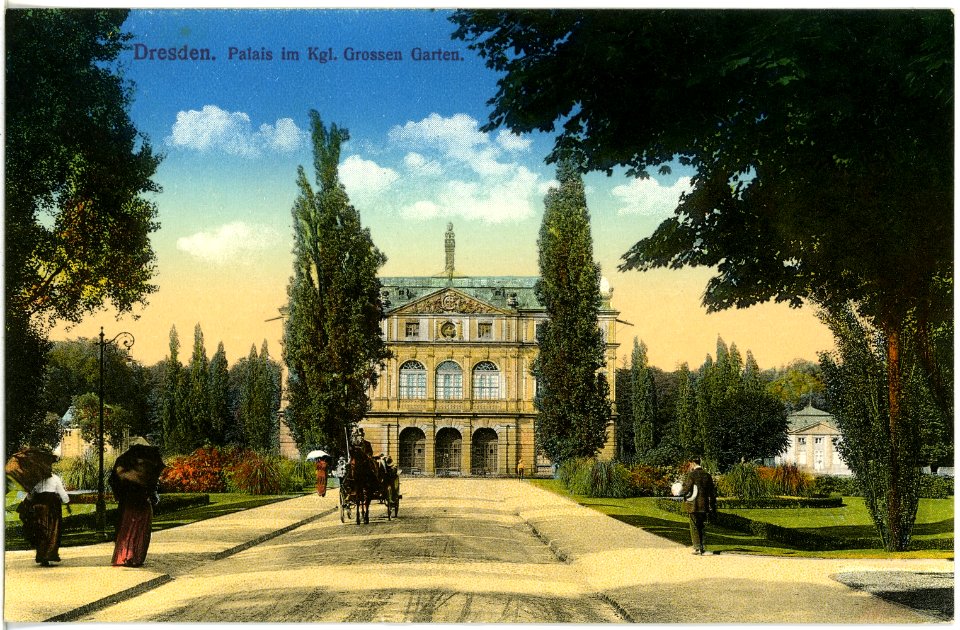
(699, 499)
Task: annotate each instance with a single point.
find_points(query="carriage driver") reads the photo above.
(360, 442)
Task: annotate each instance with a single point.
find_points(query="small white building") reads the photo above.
(813, 438)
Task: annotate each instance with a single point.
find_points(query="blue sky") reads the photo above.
(235, 131)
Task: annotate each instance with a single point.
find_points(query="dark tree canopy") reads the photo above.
(77, 224)
(822, 140)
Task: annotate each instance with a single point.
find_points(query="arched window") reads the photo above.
(413, 380)
(449, 381)
(486, 381)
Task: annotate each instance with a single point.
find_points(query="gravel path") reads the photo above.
(462, 550)
(928, 592)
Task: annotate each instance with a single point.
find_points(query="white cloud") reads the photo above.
(229, 242)
(283, 137)
(648, 197)
(361, 176)
(484, 181)
(418, 164)
(512, 142)
(215, 129)
(508, 200)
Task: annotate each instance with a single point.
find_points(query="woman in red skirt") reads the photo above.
(136, 518)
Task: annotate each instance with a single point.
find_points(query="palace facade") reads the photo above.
(456, 398)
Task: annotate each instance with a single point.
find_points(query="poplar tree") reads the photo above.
(332, 342)
(198, 393)
(573, 405)
(644, 400)
(219, 396)
(686, 411)
(259, 400)
(171, 406)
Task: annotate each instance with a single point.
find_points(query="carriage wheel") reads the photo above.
(396, 507)
(342, 509)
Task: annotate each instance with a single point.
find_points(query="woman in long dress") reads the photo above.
(42, 518)
(322, 476)
(136, 518)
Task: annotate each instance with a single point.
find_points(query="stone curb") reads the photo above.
(269, 535)
(139, 589)
(133, 591)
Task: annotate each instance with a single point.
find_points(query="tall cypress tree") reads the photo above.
(198, 393)
(686, 411)
(219, 396)
(332, 342)
(644, 399)
(573, 405)
(172, 416)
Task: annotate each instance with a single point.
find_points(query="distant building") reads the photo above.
(72, 443)
(457, 396)
(813, 438)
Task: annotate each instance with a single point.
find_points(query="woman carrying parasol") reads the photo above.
(134, 481)
(40, 511)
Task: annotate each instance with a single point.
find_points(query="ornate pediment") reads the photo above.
(448, 301)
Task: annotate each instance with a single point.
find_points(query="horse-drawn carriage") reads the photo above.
(366, 479)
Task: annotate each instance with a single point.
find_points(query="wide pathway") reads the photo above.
(463, 550)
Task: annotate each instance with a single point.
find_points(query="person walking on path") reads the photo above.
(134, 480)
(520, 467)
(699, 500)
(322, 476)
(42, 518)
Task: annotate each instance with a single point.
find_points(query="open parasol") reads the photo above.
(140, 465)
(318, 454)
(29, 466)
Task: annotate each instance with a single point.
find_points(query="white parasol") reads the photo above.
(315, 455)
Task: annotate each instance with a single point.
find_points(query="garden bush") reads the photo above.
(80, 473)
(744, 481)
(610, 479)
(825, 485)
(786, 480)
(576, 475)
(201, 471)
(256, 473)
(296, 474)
(936, 487)
(652, 481)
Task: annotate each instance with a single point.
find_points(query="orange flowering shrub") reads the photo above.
(201, 471)
(651, 481)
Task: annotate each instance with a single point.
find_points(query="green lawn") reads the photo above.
(934, 519)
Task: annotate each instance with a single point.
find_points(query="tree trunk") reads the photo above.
(897, 540)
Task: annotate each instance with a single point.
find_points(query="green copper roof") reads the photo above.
(809, 416)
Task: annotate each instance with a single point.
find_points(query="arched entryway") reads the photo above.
(483, 452)
(447, 452)
(413, 446)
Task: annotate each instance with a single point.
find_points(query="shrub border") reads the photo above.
(800, 539)
(734, 503)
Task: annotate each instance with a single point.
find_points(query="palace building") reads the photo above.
(456, 398)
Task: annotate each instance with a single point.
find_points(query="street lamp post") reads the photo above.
(125, 339)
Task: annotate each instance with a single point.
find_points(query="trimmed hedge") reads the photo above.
(732, 503)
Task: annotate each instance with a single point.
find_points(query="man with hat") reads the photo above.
(699, 500)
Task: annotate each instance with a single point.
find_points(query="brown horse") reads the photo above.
(364, 482)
